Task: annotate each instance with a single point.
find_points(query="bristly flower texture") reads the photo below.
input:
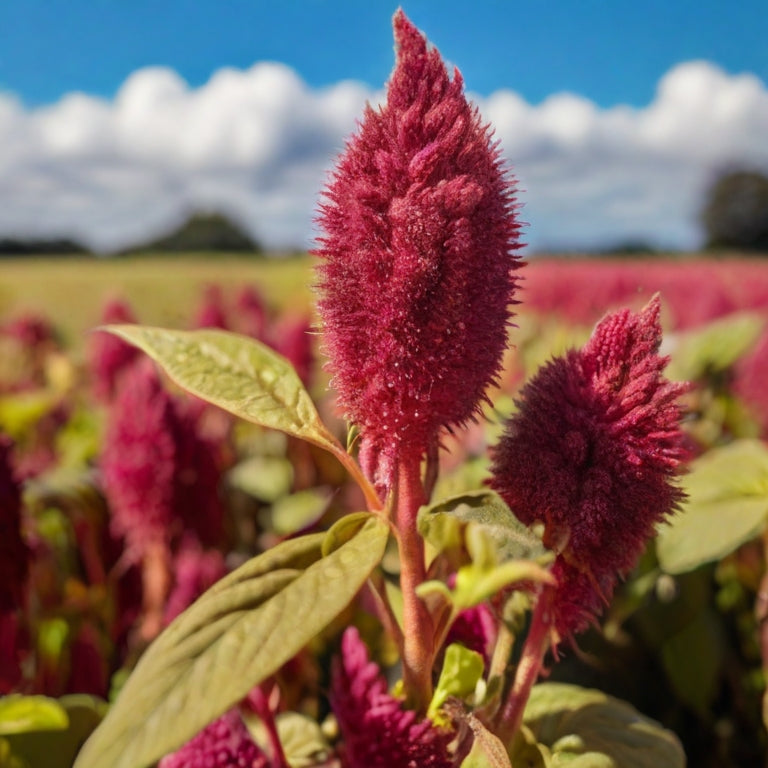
(592, 453)
(376, 730)
(225, 743)
(417, 261)
(160, 476)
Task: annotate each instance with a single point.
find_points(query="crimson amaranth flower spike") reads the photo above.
(418, 261)
(377, 731)
(592, 453)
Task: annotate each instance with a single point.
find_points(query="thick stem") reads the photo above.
(418, 632)
(531, 660)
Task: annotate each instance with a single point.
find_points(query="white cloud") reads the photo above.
(259, 143)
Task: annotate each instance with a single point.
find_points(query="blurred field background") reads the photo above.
(164, 290)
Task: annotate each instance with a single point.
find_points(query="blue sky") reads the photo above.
(610, 51)
(119, 117)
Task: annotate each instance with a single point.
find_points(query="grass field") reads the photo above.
(162, 290)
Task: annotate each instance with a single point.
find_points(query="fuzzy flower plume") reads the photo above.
(225, 743)
(110, 356)
(139, 460)
(377, 731)
(14, 553)
(161, 476)
(417, 259)
(592, 453)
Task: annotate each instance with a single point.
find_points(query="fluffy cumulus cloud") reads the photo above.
(257, 144)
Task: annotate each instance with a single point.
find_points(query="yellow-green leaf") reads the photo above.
(19, 714)
(238, 633)
(239, 374)
(727, 505)
(585, 728)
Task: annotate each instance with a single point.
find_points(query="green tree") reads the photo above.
(735, 212)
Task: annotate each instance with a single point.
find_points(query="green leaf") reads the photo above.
(715, 347)
(19, 714)
(462, 669)
(297, 511)
(20, 412)
(266, 478)
(239, 632)
(239, 374)
(585, 728)
(488, 750)
(442, 525)
(302, 739)
(475, 584)
(57, 749)
(693, 660)
(7, 759)
(727, 506)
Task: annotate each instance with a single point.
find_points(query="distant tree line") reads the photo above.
(734, 216)
(735, 212)
(201, 231)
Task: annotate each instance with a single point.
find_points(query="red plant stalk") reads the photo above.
(510, 716)
(418, 630)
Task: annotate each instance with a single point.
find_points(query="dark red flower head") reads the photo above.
(225, 743)
(592, 453)
(161, 476)
(418, 259)
(377, 731)
(14, 553)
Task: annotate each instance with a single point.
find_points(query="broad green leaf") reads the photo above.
(19, 714)
(585, 728)
(57, 749)
(727, 506)
(462, 669)
(239, 374)
(239, 632)
(442, 523)
(714, 347)
(343, 530)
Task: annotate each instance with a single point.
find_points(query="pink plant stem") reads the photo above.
(531, 660)
(156, 583)
(259, 700)
(418, 632)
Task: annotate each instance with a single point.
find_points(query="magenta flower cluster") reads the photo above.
(377, 731)
(225, 743)
(418, 208)
(160, 475)
(592, 453)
